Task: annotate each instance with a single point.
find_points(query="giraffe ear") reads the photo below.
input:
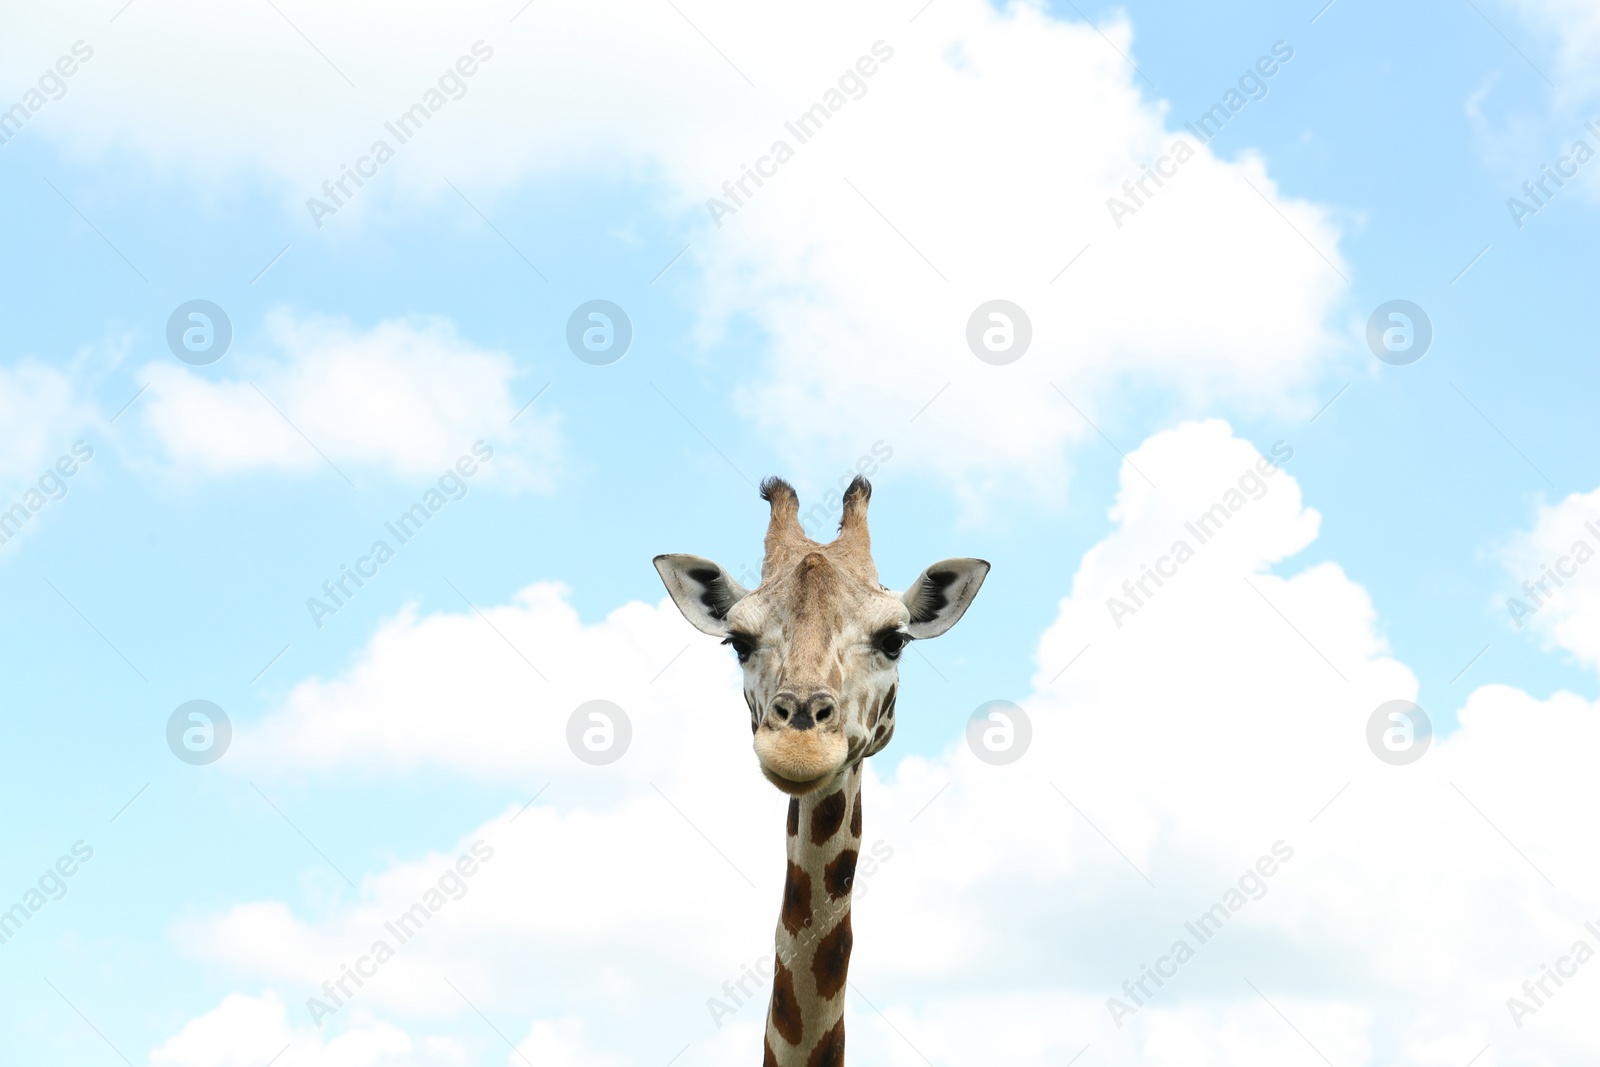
(941, 595)
(702, 590)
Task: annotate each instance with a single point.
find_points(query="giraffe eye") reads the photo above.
(892, 642)
(742, 646)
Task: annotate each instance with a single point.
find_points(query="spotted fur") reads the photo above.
(814, 935)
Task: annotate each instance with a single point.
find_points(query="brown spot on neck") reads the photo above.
(785, 1009)
(796, 914)
(831, 965)
(839, 875)
(830, 1050)
(827, 817)
(794, 816)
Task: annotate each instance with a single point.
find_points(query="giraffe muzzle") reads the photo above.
(801, 743)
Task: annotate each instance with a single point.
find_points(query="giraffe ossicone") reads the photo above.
(820, 642)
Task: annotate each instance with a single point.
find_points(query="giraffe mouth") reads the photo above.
(800, 762)
(799, 789)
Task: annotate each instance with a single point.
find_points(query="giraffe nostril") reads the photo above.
(797, 714)
(817, 710)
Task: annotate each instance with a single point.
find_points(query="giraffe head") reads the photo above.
(820, 639)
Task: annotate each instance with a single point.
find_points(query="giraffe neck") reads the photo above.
(805, 1018)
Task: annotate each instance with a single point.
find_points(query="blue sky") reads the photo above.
(791, 340)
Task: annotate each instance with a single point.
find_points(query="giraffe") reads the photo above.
(819, 640)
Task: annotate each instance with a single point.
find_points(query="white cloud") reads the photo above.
(52, 434)
(1556, 576)
(43, 414)
(408, 397)
(1206, 289)
(213, 94)
(1561, 40)
(1220, 718)
(517, 673)
(1574, 27)
(976, 165)
(689, 769)
(559, 1044)
(245, 1031)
